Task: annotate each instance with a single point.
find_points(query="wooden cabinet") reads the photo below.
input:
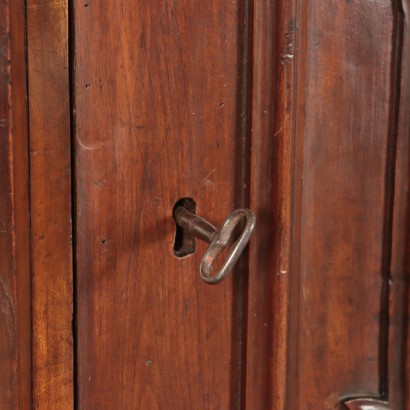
(111, 112)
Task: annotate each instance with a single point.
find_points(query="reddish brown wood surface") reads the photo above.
(342, 211)
(398, 372)
(273, 39)
(162, 112)
(294, 45)
(169, 97)
(15, 390)
(50, 192)
(158, 117)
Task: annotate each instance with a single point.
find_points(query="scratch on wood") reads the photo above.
(85, 146)
(206, 180)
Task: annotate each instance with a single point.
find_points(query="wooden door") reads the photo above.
(299, 110)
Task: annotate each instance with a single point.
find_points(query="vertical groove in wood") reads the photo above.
(50, 193)
(242, 188)
(259, 329)
(299, 92)
(398, 382)
(15, 357)
(391, 157)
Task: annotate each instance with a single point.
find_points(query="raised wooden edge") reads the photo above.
(274, 66)
(15, 357)
(50, 201)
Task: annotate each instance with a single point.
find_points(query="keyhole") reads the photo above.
(184, 243)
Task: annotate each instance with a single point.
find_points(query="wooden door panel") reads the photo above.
(158, 118)
(161, 113)
(346, 150)
(299, 109)
(325, 323)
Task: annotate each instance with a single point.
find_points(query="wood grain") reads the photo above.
(398, 374)
(342, 188)
(273, 39)
(15, 358)
(158, 118)
(50, 193)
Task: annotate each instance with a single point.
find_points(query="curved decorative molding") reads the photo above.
(366, 404)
